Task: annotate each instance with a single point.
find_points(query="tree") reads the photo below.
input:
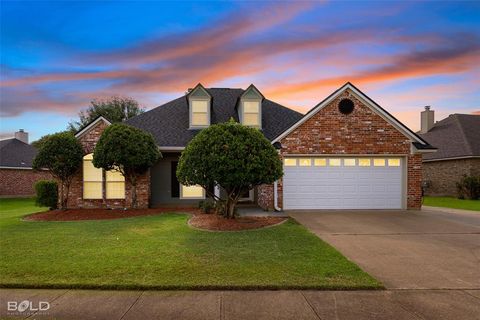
(40, 142)
(128, 150)
(62, 154)
(114, 109)
(233, 156)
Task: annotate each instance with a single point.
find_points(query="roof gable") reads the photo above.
(367, 101)
(91, 125)
(252, 93)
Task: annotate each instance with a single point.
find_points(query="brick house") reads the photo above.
(457, 139)
(16, 174)
(347, 152)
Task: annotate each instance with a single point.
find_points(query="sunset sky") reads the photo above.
(57, 56)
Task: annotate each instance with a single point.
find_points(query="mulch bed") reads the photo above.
(101, 214)
(215, 222)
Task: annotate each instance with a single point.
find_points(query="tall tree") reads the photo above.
(128, 150)
(62, 154)
(233, 156)
(114, 109)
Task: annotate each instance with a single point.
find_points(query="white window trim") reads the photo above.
(191, 112)
(191, 198)
(242, 111)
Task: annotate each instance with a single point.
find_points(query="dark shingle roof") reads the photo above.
(168, 123)
(15, 153)
(455, 136)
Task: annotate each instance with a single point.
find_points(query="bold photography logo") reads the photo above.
(26, 305)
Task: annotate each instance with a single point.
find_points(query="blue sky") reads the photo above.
(58, 56)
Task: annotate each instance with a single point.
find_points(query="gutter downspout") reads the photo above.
(275, 197)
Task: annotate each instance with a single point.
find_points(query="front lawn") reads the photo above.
(163, 252)
(450, 202)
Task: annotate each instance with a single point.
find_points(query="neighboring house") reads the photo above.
(457, 138)
(347, 152)
(16, 174)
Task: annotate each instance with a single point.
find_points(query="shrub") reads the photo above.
(469, 187)
(206, 205)
(47, 193)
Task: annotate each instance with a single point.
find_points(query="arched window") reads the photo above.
(92, 179)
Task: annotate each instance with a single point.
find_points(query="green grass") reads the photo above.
(163, 252)
(450, 202)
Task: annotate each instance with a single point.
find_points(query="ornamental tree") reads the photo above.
(128, 150)
(233, 156)
(62, 154)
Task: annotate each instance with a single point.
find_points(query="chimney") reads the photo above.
(22, 136)
(427, 119)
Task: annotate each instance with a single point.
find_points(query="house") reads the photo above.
(16, 174)
(347, 152)
(457, 138)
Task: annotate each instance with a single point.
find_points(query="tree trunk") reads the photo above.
(230, 208)
(62, 195)
(134, 193)
(66, 191)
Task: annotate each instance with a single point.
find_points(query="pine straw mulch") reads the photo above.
(214, 222)
(102, 214)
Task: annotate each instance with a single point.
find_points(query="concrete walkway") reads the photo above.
(355, 305)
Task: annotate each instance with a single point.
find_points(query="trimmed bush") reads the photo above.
(469, 187)
(47, 193)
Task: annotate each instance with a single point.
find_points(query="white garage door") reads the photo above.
(343, 183)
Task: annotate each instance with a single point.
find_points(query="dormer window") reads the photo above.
(250, 111)
(200, 114)
(199, 107)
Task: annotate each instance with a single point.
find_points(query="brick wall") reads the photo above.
(20, 182)
(443, 175)
(89, 141)
(362, 132)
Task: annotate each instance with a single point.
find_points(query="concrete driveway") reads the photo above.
(405, 249)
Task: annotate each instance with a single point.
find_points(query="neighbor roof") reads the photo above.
(169, 123)
(16, 154)
(456, 136)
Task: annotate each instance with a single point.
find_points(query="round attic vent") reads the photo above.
(346, 106)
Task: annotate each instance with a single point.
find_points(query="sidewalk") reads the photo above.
(355, 305)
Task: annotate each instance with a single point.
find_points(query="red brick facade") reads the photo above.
(20, 182)
(363, 132)
(75, 200)
(442, 176)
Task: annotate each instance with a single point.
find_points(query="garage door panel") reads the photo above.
(343, 187)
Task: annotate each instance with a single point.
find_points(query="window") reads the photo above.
(349, 162)
(251, 113)
(115, 185)
(92, 179)
(199, 113)
(191, 192)
(394, 162)
(334, 162)
(320, 162)
(289, 162)
(305, 162)
(379, 162)
(363, 162)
